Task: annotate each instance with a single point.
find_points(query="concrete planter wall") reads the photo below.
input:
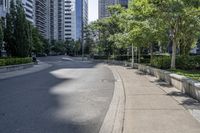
(15, 67)
(186, 85)
(110, 62)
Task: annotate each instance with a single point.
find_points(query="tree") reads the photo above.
(106, 29)
(9, 38)
(88, 40)
(22, 33)
(38, 45)
(18, 34)
(46, 45)
(182, 19)
(58, 47)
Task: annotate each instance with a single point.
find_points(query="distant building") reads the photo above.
(103, 7)
(55, 19)
(104, 4)
(4, 7)
(124, 3)
(75, 18)
(196, 50)
(41, 17)
(28, 5)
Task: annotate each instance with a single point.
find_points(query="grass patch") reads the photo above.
(193, 74)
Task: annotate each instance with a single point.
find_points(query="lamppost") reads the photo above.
(82, 31)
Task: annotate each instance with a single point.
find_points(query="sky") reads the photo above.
(93, 10)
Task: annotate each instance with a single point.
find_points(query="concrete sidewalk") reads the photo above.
(41, 66)
(155, 107)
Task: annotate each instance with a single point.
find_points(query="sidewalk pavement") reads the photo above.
(41, 66)
(152, 106)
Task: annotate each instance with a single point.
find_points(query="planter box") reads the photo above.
(186, 85)
(10, 68)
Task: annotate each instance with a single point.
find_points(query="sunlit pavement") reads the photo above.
(70, 97)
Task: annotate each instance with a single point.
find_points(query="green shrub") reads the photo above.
(14, 61)
(121, 57)
(145, 58)
(2, 62)
(162, 62)
(99, 57)
(182, 62)
(186, 63)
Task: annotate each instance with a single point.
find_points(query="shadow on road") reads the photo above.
(46, 103)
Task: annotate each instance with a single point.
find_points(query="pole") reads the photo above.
(82, 49)
(132, 63)
(82, 36)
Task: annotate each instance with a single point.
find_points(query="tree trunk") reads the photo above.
(173, 60)
(151, 51)
(139, 55)
(160, 47)
(133, 61)
(136, 55)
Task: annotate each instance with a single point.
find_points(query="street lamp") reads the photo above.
(82, 36)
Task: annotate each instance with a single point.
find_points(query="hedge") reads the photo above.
(14, 61)
(182, 62)
(98, 57)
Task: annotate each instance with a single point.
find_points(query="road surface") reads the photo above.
(70, 97)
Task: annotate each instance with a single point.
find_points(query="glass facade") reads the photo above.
(79, 9)
(124, 3)
(104, 4)
(81, 16)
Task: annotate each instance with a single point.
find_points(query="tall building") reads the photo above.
(41, 21)
(4, 7)
(56, 19)
(124, 3)
(28, 8)
(76, 17)
(103, 7)
(104, 4)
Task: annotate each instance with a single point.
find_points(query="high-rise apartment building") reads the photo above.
(76, 17)
(29, 7)
(104, 4)
(124, 3)
(41, 18)
(103, 7)
(55, 19)
(4, 7)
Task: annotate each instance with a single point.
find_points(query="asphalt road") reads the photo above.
(69, 97)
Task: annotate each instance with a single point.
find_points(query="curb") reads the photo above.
(36, 68)
(114, 119)
(10, 68)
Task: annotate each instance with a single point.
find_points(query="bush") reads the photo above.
(186, 63)
(162, 62)
(14, 61)
(182, 62)
(99, 57)
(121, 58)
(145, 58)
